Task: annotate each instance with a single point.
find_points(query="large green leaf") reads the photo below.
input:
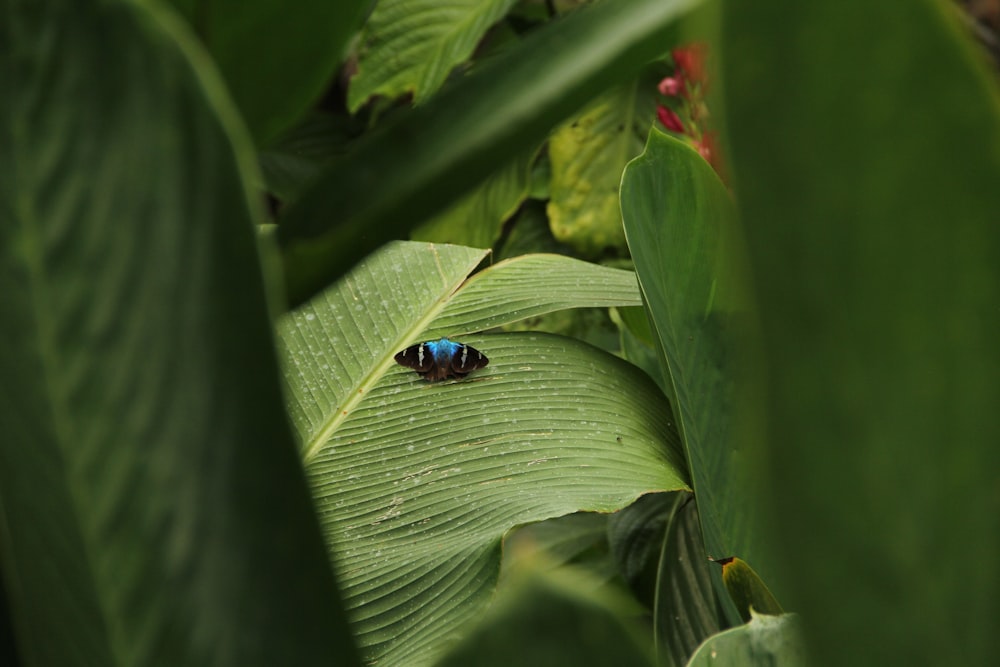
(398, 177)
(417, 482)
(276, 60)
(152, 506)
(410, 46)
(866, 157)
(679, 224)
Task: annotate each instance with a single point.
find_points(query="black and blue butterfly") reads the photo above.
(437, 359)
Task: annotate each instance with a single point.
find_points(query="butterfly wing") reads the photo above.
(417, 357)
(467, 359)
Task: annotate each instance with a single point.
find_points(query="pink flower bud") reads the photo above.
(670, 120)
(672, 86)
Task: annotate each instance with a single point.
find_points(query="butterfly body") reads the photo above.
(437, 359)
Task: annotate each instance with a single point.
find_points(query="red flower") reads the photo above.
(690, 60)
(670, 120)
(672, 86)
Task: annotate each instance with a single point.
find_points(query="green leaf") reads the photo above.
(417, 482)
(276, 62)
(637, 322)
(578, 539)
(636, 342)
(529, 232)
(588, 154)
(292, 161)
(410, 46)
(766, 641)
(477, 219)
(749, 593)
(556, 618)
(679, 224)
(153, 509)
(635, 536)
(870, 204)
(513, 290)
(413, 169)
(342, 342)
(686, 611)
(657, 543)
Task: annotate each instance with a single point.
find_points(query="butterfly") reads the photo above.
(437, 359)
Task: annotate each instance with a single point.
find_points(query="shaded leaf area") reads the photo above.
(876, 253)
(276, 62)
(637, 345)
(556, 618)
(8, 644)
(588, 154)
(766, 641)
(687, 611)
(747, 590)
(679, 224)
(637, 322)
(290, 162)
(578, 539)
(153, 508)
(433, 154)
(417, 482)
(635, 537)
(657, 545)
(477, 219)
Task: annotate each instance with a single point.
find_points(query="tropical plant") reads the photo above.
(208, 455)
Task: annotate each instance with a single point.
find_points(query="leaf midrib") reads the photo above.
(359, 391)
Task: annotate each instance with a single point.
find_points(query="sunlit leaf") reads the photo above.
(417, 482)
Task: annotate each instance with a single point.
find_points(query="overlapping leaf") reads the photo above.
(415, 482)
(678, 218)
(588, 154)
(152, 507)
(875, 249)
(410, 46)
(275, 62)
(477, 219)
(438, 151)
